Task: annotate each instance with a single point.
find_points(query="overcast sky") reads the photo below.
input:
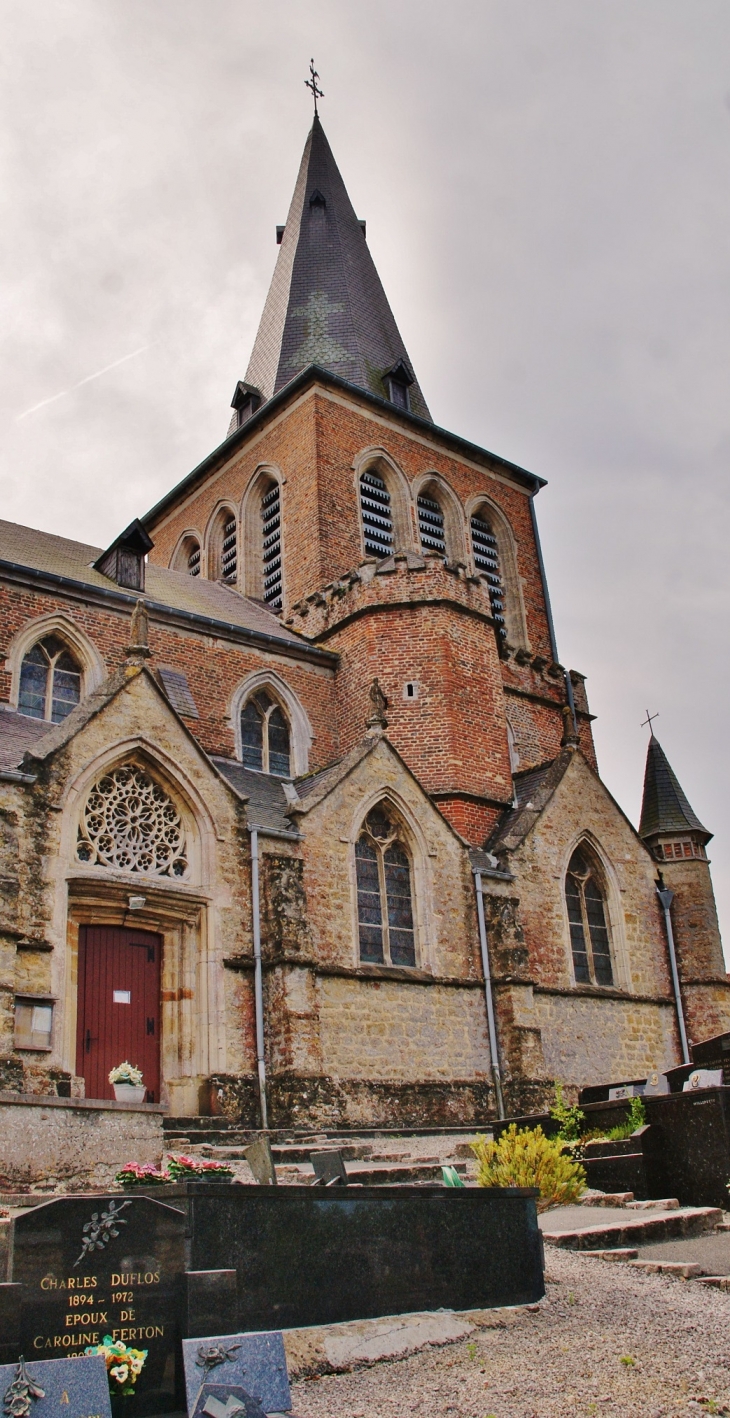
(546, 187)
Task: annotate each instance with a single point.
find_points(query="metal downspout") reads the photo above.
(492, 1023)
(258, 982)
(666, 898)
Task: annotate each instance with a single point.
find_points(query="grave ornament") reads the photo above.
(76, 1388)
(251, 1366)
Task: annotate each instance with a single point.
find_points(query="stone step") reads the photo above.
(617, 1253)
(382, 1174)
(684, 1269)
(283, 1154)
(686, 1221)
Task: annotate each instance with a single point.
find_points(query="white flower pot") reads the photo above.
(130, 1092)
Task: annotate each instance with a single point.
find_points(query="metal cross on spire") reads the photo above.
(311, 83)
(648, 720)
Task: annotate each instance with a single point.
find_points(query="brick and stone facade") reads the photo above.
(476, 743)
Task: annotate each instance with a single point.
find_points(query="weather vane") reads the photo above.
(648, 720)
(312, 84)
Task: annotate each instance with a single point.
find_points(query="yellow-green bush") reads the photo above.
(530, 1159)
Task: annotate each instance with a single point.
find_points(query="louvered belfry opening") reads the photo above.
(229, 551)
(377, 516)
(431, 525)
(193, 559)
(486, 561)
(271, 519)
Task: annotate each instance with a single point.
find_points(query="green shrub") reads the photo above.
(635, 1118)
(530, 1159)
(570, 1120)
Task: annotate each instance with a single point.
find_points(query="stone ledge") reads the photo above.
(49, 1100)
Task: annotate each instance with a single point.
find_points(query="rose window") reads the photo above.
(129, 823)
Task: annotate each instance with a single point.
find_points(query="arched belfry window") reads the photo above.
(271, 544)
(431, 524)
(486, 562)
(585, 897)
(384, 892)
(187, 556)
(377, 515)
(50, 681)
(265, 741)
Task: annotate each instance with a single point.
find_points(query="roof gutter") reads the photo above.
(315, 374)
(294, 649)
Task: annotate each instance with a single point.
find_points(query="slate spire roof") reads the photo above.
(664, 807)
(326, 305)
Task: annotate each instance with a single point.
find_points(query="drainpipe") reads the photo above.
(493, 1048)
(666, 898)
(549, 611)
(258, 982)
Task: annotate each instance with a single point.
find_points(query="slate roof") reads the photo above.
(43, 551)
(326, 305)
(18, 735)
(267, 803)
(664, 807)
(533, 791)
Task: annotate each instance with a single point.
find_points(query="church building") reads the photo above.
(299, 811)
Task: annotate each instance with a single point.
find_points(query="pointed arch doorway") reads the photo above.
(118, 1015)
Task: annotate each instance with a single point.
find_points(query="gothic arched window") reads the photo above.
(50, 681)
(223, 549)
(486, 562)
(431, 524)
(265, 743)
(377, 515)
(384, 898)
(271, 545)
(585, 898)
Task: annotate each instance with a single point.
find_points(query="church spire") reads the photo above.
(665, 809)
(326, 305)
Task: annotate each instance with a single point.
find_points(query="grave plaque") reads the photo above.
(227, 1401)
(61, 1386)
(329, 1168)
(105, 1265)
(255, 1363)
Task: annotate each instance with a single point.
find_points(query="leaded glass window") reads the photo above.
(50, 681)
(384, 892)
(265, 739)
(587, 916)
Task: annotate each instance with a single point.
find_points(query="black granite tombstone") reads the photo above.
(314, 1255)
(212, 1302)
(96, 1266)
(9, 1323)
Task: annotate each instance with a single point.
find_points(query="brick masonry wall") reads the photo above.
(214, 666)
(316, 443)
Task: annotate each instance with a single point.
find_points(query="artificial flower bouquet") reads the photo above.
(126, 1073)
(194, 1169)
(142, 1174)
(123, 1365)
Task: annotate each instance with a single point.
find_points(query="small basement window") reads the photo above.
(33, 1022)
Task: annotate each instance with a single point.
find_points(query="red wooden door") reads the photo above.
(118, 1007)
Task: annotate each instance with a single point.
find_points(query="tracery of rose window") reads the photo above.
(129, 823)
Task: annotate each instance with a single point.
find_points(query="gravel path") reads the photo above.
(562, 1359)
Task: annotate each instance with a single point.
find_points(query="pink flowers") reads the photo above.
(135, 1174)
(189, 1168)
